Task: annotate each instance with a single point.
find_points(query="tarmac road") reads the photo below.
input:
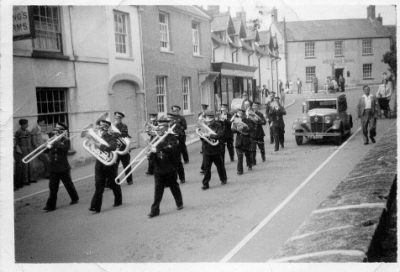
(213, 222)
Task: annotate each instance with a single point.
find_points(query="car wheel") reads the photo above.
(299, 140)
(351, 122)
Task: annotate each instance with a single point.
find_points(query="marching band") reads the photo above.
(109, 144)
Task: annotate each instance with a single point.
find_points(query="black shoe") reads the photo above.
(74, 202)
(232, 160)
(117, 204)
(26, 184)
(205, 187)
(183, 181)
(186, 162)
(263, 159)
(365, 143)
(223, 182)
(372, 139)
(250, 168)
(93, 210)
(276, 150)
(149, 173)
(48, 209)
(150, 215)
(32, 181)
(180, 207)
(282, 145)
(240, 173)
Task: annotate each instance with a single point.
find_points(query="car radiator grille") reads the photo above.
(317, 126)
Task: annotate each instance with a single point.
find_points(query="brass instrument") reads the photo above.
(92, 144)
(122, 142)
(204, 132)
(143, 155)
(41, 148)
(250, 114)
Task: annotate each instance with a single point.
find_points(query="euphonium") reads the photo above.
(92, 143)
(204, 131)
(41, 148)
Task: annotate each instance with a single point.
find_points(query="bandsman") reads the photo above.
(225, 118)
(259, 132)
(125, 158)
(175, 120)
(275, 113)
(181, 132)
(151, 126)
(201, 117)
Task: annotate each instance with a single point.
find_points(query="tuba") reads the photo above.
(142, 155)
(122, 142)
(92, 143)
(204, 131)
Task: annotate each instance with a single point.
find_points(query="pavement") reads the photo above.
(80, 173)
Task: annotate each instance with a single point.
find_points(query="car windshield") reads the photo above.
(326, 104)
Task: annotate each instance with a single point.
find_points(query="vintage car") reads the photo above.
(324, 116)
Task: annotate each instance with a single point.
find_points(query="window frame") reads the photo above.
(338, 51)
(187, 94)
(365, 46)
(309, 50)
(364, 73)
(194, 35)
(310, 75)
(42, 45)
(127, 34)
(161, 92)
(165, 31)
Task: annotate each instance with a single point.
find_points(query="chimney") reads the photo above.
(379, 19)
(213, 10)
(371, 12)
(242, 16)
(274, 15)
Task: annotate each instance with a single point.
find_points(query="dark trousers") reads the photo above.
(279, 136)
(162, 181)
(217, 160)
(229, 145)
(103, 174)
(18, 172)
(240, 153)
(368, 121)
(260, 143)
(125, 159)
(54, 184)
(271, 134)
(384, 105)
(180, 169)
(150, 167)
(183, 148)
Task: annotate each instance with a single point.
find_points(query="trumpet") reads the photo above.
(204, 132)
(41, 148)
(142, 155)
(92, 143)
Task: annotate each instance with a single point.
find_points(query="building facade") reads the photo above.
(177, 57)
(351, 48)
(83, 61)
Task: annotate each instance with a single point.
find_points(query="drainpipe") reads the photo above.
(140, 10)
(72, 151)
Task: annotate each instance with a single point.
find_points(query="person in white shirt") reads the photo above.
(368, 110)
(384, 94)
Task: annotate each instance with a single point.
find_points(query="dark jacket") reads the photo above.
(58, 156)
(259, 129)
(166, 156)
(227, 126)
(276, 116)
(24, 141)
(123, 129)
(218, 128)
(243, 140)
(181, 124)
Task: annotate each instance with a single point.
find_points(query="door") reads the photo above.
(338, 72)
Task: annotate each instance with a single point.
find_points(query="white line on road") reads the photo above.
(267, 219)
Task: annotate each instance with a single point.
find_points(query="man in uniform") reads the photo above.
(251, 122)
(212, 154)
(152, 133)
(23, 139)
(259, 134)
(104, 173)
(275, 113)
(242, 127)
(179, 129)
(225, 118)
(60, 169)
(125, 158)
(181, 133)
(267, 106)
(165, 168)
(200, 119)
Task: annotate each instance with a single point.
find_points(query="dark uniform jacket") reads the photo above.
(24, 140)
(259, 129)
(243, 140)
(276, 116)
(227, 126)
(123, 129)
(218, 128)
(166, 156)
(181, 124)
(112, 143)
(58, 156)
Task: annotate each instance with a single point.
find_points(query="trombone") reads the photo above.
(41, 148)
(143, 155)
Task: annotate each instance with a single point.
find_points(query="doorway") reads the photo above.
(338, 73)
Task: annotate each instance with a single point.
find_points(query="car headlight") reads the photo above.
(327, 119)
(304, 120)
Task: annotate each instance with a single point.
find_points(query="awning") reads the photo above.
(207, 76)
(233, 69)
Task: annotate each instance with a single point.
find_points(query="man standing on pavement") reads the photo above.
(23, 139)
(181, 133)
(179, 130)
(39, 138)
(125, 158)
(60, 169)
(165, 172)
(368, 111)
(259, 134)
(384, 94)
(299, 85)
(212, 154)
(275, 113)
(225, 118)
(105, 173)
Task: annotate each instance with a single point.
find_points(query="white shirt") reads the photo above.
(368, 102)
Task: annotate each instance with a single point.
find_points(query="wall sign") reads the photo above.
(23, 23)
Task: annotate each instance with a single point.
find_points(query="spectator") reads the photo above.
(299, 85)
(341, 83)
(39, 137)
(384, 94)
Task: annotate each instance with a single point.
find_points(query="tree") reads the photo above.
(390, 58)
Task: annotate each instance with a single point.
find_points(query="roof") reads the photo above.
(222, 22)
(217, 39)
(333, 29)
(315, 96)
(194, 10)
(264, 37)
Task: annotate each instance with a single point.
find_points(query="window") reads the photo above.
(367, 71)
(161, 85)
(164, 32)
(186, 94)
(235, 56)
(310, 73)
(52, 106)
(367, 47)
(196, 38)
(309, 46)
(121, 29)
(46, 20)
(338, 48)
